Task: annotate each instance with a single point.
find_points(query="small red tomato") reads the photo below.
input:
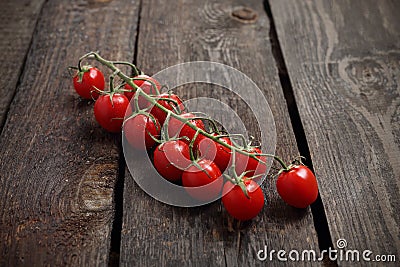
(298, 186)
(245, 163)
(238, 205)
(139, 129)
(109, 112)
(146, 86)
(170, 105)
(86, 82)
(171, 159)
(203, 182)
(216, 152)
(183, 129)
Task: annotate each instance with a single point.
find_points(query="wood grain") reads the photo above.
(18, 22)
(57, 167)
(344, 64)
(155, 234)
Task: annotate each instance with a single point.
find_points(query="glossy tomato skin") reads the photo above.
(194, 178)
(160, 114)
(245, 163)
(110, 115)
(139, 129)
(91, 79)
(238, 205)
(171, 158)
(216, 152)
(177, 127)
(298, 186)
(146, 86)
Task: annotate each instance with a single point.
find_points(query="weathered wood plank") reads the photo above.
(155, 234)
(18, 19)
(343, 58)
(57, 167)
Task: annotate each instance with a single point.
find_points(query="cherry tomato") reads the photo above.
(139, 129)
(245, 163)
(238, 205)
(177, 127)
(160, 114)
(91, 78)
(216, 152)
(298, 186)
(195, 179)
(110, 113)
(146, 86)
(171, 159)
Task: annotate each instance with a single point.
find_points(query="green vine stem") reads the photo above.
(136, 71)
(154, 102)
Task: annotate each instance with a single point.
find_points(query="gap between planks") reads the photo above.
(21, 69)
(317, 208)
(116, 231)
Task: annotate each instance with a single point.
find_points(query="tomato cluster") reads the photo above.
(184, 150)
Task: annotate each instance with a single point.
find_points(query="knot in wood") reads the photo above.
(245, 15)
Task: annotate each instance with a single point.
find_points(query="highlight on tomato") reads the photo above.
(171, 158)
(141, 131)
(109, 111)
(203, 180)
(297, 186)
(244, 199)
(88, 81)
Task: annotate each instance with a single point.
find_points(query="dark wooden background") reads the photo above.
(329, 69)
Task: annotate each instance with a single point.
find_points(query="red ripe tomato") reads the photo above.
(160, 114)
(110, 112)
(298, 186)
(245, 163)
(177, 127)
(91, 78)
(204, 183)
(216, 152)
(139, 129)
(146, 86)
(238, 205)
(171, 159)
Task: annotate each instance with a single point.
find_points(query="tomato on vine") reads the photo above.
(171, 158)
(109, 111)
(203, 180)
(146, 86)
(141, 131)
(87, 81)
(216, 152)
(176, 127)
(251, 166)
(297, 186)
(239, 205)
(168, 101)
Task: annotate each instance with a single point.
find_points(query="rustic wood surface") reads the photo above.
(157, 234)
(345, 77)
(18, 20)
(58, 167)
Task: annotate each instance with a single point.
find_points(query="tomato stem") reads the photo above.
(134, 68)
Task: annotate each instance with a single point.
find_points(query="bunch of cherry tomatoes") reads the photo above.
(207, 162)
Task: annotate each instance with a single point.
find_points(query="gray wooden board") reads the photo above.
(343, 58)
(18, 19)
(155, 234)
(57, 166)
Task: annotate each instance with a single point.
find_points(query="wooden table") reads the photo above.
(329, 70)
